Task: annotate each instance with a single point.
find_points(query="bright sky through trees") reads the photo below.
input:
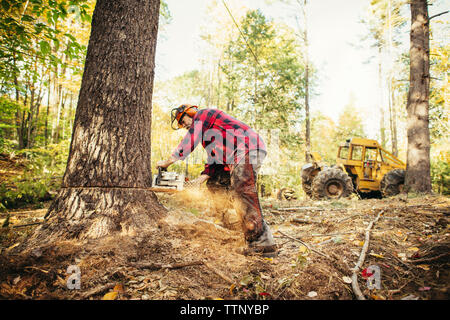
(335, 35)
(333, 27)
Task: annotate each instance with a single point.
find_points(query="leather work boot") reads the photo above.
(264, 245)
(265, 251)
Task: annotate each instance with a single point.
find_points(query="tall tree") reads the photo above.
(306, 57)
(385, 23)
(391, 101)
(418, 155)
(104, 188)
(267, 71)
(299, 10)
(36, 37)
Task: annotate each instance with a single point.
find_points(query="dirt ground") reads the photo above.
(191, 255)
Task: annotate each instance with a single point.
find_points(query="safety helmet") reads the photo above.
(178, 114)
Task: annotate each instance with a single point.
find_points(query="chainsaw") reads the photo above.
(166, 181)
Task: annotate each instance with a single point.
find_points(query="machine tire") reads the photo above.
(392, 183)
(332, 184)
(308, 177)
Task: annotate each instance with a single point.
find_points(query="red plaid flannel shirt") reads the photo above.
(226, 139)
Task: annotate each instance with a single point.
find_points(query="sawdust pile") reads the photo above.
(191, 255)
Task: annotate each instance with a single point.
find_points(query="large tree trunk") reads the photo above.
(108, 172)
(418, 158)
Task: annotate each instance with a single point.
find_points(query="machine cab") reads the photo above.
(366, 162)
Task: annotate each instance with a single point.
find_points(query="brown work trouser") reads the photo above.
(245, 196)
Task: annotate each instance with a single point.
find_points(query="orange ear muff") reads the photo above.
(191, 111)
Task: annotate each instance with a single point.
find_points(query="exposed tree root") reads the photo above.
(92, 213)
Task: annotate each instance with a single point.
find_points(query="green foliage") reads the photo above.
(8, 109)
(194, 211)
(264, 87)
(440, 176)
(51, 159)
(26, 26)
(40, 178)
(384, 26)
(181, 89)
(164, 14)
(24, 193)
(42, 50)
(41, 53)
(350, 123)
(439, 88)
(327, 136)
(265, 76)
(322, 135)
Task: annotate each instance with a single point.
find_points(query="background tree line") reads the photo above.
(257, 69)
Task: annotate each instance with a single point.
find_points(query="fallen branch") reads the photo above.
(38, 211)
(300, 208)
(331, 234)
(362, 256)
(157, 266)
(341, 220)
(430, 258)
(217, 272)
(326, 241)
(25, 225)
(35, 268)
(97, 290)
(304, 221)
(391, 292)
(305, 244)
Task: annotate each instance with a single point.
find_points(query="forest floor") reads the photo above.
(190, 255)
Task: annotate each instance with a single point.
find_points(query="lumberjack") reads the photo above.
(234, 150)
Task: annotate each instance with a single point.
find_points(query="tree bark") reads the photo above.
(418, 156)
(380, 87)
(392, 117)
(104, 187)
(307, 116)
(48, 110)
(392, 113)
(393, 109)
(306, 98)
